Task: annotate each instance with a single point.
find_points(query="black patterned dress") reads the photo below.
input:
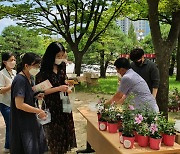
(60, 133)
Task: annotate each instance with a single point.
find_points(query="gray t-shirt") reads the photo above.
(133, 83)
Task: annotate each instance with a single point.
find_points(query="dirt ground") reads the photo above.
(78, 100)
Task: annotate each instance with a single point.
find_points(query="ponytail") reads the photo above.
(19, 67)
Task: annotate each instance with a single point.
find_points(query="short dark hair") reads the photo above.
(122, 63)
(136, 54)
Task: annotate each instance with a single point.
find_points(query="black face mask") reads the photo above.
(138, 63)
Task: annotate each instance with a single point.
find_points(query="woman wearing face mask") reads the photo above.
(27, 135)
(7, 75)
(60, 132)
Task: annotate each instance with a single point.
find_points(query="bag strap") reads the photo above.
(37, 101)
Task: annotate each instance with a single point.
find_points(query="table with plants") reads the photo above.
(123, 129)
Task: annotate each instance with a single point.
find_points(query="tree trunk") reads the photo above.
(171, 69)
(163, 50)
(178, 60)
(102, 68)
(163, 90)
(78, 61)
(106, 65)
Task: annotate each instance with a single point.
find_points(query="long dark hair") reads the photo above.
(5, 57)
(28, 58)
(49, 56)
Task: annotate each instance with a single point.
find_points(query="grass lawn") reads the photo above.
(109, 85)
(105, 86)
(174, 115)
(173, 83)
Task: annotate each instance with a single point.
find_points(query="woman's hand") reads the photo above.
(42, 115)
(69, 91)
(63, 88)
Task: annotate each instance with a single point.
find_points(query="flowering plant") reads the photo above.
(174, 98)
(128, 115)
(102, 110)
(156, 126)
(155, 131)
(101, 105)
(143, 129)
(169, 128)
(113, 113)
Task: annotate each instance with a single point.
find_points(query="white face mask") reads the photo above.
(34, 71)
(59, 61)
(11, 64)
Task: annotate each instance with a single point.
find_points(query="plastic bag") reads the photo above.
(48, 117)
(67, 108)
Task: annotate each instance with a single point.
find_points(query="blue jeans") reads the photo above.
(5, 110)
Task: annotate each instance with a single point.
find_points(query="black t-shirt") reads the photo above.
(149, 72)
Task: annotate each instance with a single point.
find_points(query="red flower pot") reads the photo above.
(169, 139)
(128, 142)
(120, 137)
(102, 125)
(155, 143)
(99, 116)
(112, 127)
(143, 141)
(136, 136)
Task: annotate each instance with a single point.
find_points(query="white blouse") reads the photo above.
(5, 80)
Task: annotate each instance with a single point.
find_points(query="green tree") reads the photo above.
(163, 48)
(71, 19)
(159, 11)
(19, 39)
(107, 48)
(132, 35)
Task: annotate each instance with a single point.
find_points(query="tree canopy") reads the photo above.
(19, 39)
(72, 19)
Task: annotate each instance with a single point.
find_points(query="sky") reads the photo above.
(6, 22)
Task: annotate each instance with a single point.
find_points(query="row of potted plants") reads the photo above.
(174, 100)
(140, 125)
(109, 117)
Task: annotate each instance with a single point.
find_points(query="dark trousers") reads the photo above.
(5, 110)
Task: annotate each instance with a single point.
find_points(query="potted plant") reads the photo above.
(128, 134)
(103, 120)
(143, 134)
(169, 133)
(100, 107)
(155, 136)
(138, 120)
(174, 100)
(112, 118)
(128, 124)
